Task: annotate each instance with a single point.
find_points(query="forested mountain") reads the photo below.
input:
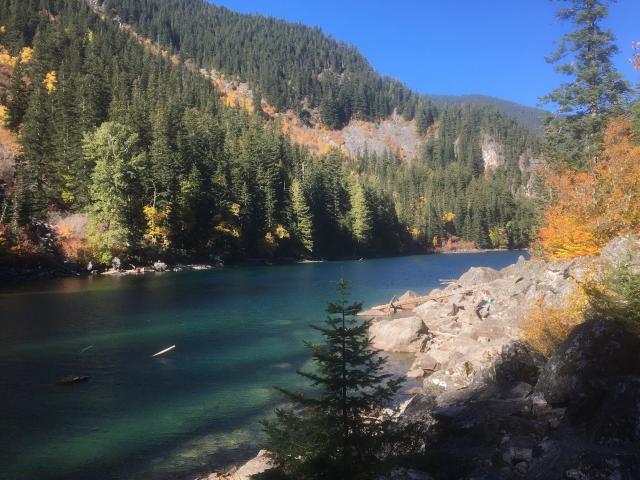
(125, 133)
(291, 65)
(534, 118)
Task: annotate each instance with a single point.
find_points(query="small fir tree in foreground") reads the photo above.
(341, 429)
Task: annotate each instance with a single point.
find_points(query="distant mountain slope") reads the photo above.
(291, 66)
(529, 116)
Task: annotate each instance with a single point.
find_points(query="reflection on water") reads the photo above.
(237, 332)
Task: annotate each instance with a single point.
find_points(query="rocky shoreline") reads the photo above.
(495, 407)
(11, 275)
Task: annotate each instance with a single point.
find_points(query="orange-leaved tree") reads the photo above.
(590, 208)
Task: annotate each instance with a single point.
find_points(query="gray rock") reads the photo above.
(518, 362)
(586, 365)
(521, 468)
(624, 250)
(520, 454)
(399, 335)
(257, 465)
(430, 361)
(116, 263)
(402, 473)
(419, 408)
(618, 420)
(408, 295)
(519, 390)
(160, 266)
(479, 275)
(572, 458)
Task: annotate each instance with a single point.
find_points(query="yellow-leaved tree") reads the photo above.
(26, 55)
(3, 115)
(50, 82)
(591, 208)
(448, 217)
(157, 233)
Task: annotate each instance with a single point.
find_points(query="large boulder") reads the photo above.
(445, 385)
(570, 457)
(479, 275)
(431, 360)
(587, 364)
(622, 250)
(407, 300)
(407, 334)
(618, 420)
(518, 363)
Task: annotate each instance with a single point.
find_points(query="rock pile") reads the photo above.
(575, 416)
(499, 409)
(465, 330)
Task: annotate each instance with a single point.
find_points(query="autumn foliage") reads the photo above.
(590, 208)
(547, 325)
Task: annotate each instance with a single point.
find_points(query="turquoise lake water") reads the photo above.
(238, 331)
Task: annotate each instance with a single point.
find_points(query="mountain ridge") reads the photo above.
(307, 126)
(533, 117)
(298, 67)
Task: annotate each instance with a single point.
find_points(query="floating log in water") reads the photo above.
(71, 379)
(168, 349)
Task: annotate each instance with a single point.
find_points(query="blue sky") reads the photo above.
(493, 47)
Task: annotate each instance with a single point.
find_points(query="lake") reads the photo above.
(238, 331)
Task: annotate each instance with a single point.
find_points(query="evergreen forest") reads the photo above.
(128, 136)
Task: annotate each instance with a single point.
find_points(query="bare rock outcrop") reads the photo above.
(259, 464)
(399, 335)
(594, 354)
(492, 153)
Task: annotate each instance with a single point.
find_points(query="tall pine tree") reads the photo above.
(302, 219)
(596, 89)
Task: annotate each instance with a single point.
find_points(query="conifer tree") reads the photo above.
(596, 90)
(360, 213)
(340, 430)
(303, 222)
(36, 172)
(216, 171)
(18, 98)
(95, 92)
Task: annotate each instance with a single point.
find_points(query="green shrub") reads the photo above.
(617, 297)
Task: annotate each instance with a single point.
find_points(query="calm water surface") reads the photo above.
(237, 331)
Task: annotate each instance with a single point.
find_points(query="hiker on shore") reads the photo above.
(484, 306)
